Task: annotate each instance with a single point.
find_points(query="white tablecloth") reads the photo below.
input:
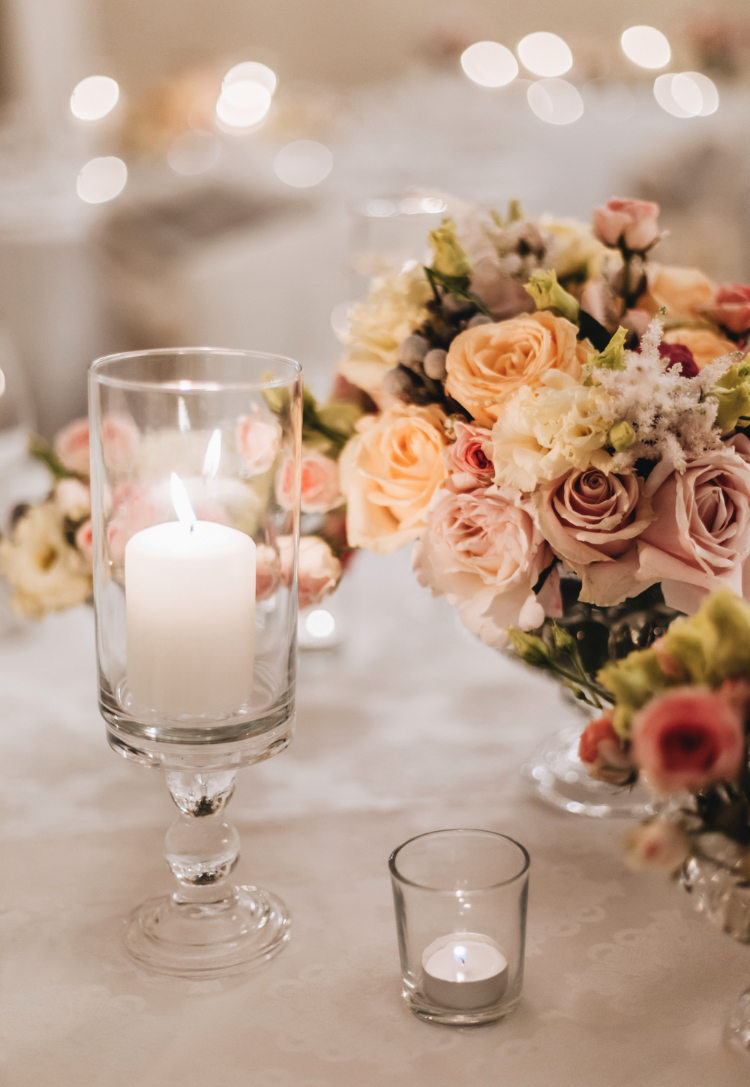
(409, 726)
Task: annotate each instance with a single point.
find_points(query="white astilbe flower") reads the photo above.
(669, 413)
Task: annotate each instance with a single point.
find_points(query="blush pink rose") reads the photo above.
(72, 447)
(318, 569)
(259, 441)
(85, 541)
(320, 490)
(591, 520)
(634, 223)
(134, 507)
(689, 738)
(731, 308)
(700, 538)
(119, 438)
(604, 754)
(468, 460)
(267, 571)
(483, 551)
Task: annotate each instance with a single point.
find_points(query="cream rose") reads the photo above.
(389, 473)
(484, 553)
(704, 344)
(700, 538)
(591, 520)
(45, 572)
(488, 363)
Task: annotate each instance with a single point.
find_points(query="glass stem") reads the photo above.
(201, 847)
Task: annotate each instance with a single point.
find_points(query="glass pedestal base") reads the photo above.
(558, 776)
(208, 939)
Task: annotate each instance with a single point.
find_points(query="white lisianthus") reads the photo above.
(393, 309)
(541, 436)
(45, 572)
(572, 248)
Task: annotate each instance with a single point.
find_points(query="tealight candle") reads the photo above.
(190, 602)
(464, 971)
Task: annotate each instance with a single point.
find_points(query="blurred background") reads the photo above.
(229, 173)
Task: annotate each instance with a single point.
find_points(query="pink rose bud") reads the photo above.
(731, 308)
(319, 483)
(630, 223)
(659, 845)
(267, 571)
(689, 738)
(85, 541)
(72, 447)
(318, 572)
(73, 498)
(259, 441)
(604, 754)
(468, 459)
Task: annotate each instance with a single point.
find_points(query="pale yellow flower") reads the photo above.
(45, 572)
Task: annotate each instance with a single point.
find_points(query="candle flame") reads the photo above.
(212, 458)
(181, 502)
(459, 953)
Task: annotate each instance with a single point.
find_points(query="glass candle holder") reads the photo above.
(460, 899)
(195, 557)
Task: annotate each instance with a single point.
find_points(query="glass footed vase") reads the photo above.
(195, 593)
(722, 893)
(554, 771)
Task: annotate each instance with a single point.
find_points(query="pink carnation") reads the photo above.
(468, 460)
(633, 223)
(689, 738)
(259, 441)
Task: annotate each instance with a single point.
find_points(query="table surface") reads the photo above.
(410, 725)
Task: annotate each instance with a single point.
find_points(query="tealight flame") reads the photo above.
(181, 502)
(459, 954)
(212, 458)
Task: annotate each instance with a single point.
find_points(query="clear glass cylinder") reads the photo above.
(195, 466)
(186, 440)
(460, 898)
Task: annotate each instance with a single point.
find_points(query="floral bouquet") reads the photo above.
(47, 555)
(559, 427)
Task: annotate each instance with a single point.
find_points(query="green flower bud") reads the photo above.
(620, 436)
(564, 641)
(633, 681)
(732, 391)
(549, 295)
(613, 355)
(450, 257)
(530, 648)
(713, 644)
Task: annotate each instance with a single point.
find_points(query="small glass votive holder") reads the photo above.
(460, 899)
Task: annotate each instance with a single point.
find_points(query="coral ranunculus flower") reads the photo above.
(689, 738)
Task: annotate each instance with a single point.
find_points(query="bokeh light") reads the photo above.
(303, 163)
(686, 94)
(253, 72)
(243, 103)
(489, 64)
(555, 101)
(102, 179)
(94, 97)
(320, 623)
(646, 46)
(194, 152)
(545, 54)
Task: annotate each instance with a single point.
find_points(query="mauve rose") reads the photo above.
(318, 569)
(660, 845)
(267, 571)
(85, 541)
(731, 308)
(467, 459)
(258, 441)
(502, 294)
(688, 738)
(484, 553)
(603, 753)
(700, 538)
(591, 520)
(633, 221)
(320, 490)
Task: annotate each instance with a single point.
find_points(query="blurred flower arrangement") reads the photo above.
(47, 555)
(559, 428)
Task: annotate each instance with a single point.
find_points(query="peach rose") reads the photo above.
(488, 363)
(468, 459)
(731, 308)
(659, 845)
(704, 344)
(685, 292)
(258, 441)
(688, 738)
(603, 753)
(319, 483)
(590, 520)
(700, 538)
(85, 541)
(632, 223)
(318, 569)
(484, 553)
(390, 471)
(267, 571)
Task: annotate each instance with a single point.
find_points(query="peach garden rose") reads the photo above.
(490, 362)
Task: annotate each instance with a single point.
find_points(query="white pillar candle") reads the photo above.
(464, 971)
(190, 602)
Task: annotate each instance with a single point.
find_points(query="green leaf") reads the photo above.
(458, 286)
